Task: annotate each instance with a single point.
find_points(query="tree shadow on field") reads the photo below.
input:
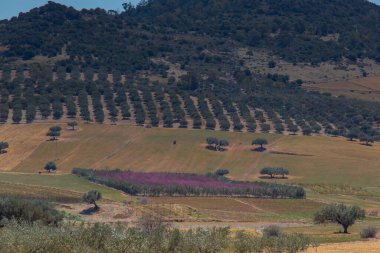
(90, 211)
(272, 178)
(259, 149)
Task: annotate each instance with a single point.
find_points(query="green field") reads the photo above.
(51, 184)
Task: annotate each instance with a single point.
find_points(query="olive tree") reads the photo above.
(261, 142)
(91, 197)
(54, 132)
(50, 166)
(72, 125)
(340, 214)
(222, 172)
(3, 145)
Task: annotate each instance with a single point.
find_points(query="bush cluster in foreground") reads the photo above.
(182, 184)
(22, 238)
(29, 211)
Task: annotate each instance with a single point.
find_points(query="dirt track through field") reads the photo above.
(245, 203)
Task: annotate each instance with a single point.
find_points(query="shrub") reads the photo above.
(91, 197)
(50, 166)
(3, 145)
(24, 210)
(291, 243)
(222, 172)
(369, 232)
(272, 231)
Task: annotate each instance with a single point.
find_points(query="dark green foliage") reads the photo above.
(191, 110)
(260, 141)
(369, 232)
(367, 140)
(353, 134)
(261, 189)
(272, 64)
(4, 105)
(298, 25)
(153, 236)
(121, 101)
(206, 113)
(272, 231)
(3, 146)
(290, 243)
(50, 166)
(137, 104)
(54, 132)
(145, 41)
(71, 107)
(340, 214)
(83, 104)
(152, 110)
(222, 172)
(29, 211)
(104, 238)
(215, 144)
(91, 197)
(98, 105)
(109, 100)
(272, 172)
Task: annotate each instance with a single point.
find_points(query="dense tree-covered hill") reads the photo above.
(174, 63)
(297, 30)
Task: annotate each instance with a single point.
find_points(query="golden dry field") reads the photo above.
(311, 160)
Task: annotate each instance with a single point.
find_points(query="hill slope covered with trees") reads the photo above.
(171, 63)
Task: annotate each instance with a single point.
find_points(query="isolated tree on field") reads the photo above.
(340, 214)
(268, 171)
(222, 172)
(222, 143)
(50, 166)
(212, 141)
(3, 145)
(91, 197)
(282, 172)
(54, 132)
(260, 141)
(72, 124)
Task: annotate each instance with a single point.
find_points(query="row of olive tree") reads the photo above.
(272, 172)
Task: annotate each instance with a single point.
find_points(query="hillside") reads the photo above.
(162, 64)
(298, 31)
(179, 125)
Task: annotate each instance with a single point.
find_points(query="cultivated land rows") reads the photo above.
(153, 106)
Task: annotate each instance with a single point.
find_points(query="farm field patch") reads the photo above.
(311, 160)
(367, 88)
